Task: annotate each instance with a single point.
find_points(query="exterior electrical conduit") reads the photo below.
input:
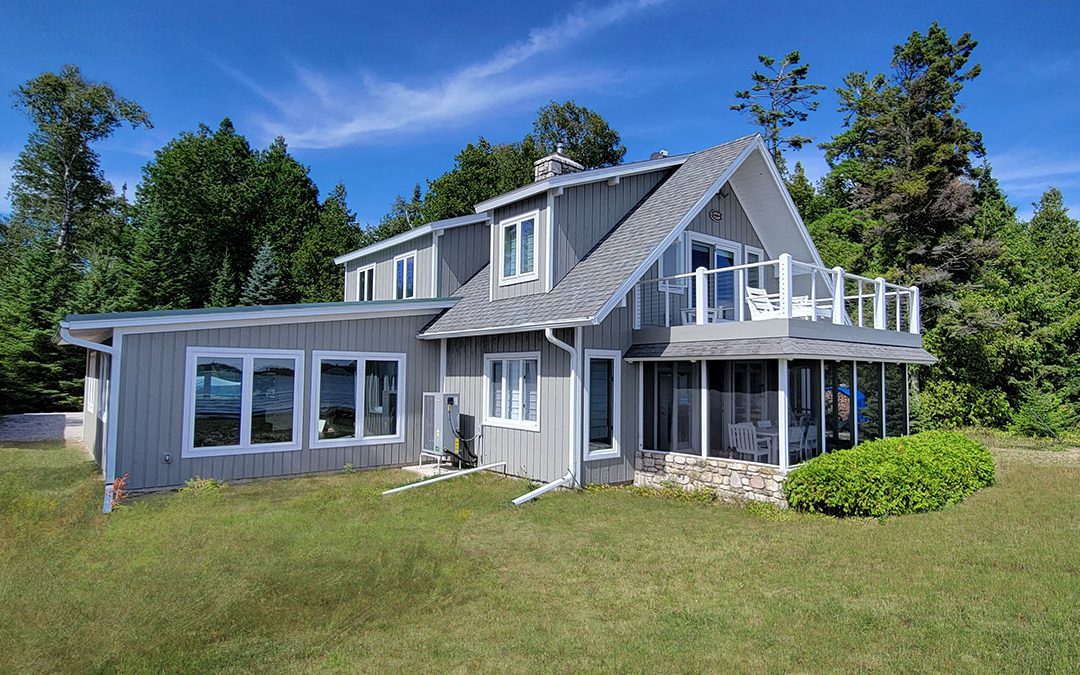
(574, 469)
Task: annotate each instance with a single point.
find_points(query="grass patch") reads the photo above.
(322, 573)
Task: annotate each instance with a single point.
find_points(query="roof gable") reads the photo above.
(596, 284)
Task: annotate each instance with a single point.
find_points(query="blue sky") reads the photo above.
(381, 95)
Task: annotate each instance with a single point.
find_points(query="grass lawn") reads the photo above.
(322, 573)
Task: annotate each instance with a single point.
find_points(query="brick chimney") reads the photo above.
(555, 164)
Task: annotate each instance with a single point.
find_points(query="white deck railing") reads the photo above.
(776, 289)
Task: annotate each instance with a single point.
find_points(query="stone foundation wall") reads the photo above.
(730, 478)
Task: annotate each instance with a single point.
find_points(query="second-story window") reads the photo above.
(365, 284)
(405, 277)
(519, 248)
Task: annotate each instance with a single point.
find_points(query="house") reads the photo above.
(662, 320)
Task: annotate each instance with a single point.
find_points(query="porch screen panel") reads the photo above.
(804, 416)
(896, 399)
(272, 404)
(839, 408)
(380, 398)
(868, 400)
(218, 388)
(754, 408)
(337, 398)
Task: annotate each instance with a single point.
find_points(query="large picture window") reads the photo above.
(240, 401)
(518, 246)
(405, 277)
(513, 386)
(358, 398)
(603, 386)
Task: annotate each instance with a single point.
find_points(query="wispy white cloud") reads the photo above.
(1026, 173)
(333, 111)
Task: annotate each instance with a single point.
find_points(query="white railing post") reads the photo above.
(740, 301)
(879, 304)
(667, 306)
(813, 294)
(785, 284)
(699, 295)
(914, 311)
(838, 308)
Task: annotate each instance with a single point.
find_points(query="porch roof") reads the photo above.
(778, 347)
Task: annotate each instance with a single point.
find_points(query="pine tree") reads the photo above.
(223, 292)
(36, 293)
(315, 275)
(263, 285)
(788, 99)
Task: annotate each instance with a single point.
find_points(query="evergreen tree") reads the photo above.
(223, 292)
(57, 185)
(907, 158)
(316, 276)
(263, 285)
(787, 99)
(103, 285)
(39, 375)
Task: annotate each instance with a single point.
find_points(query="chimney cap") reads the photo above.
(659, 154)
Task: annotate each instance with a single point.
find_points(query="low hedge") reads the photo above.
(907, 474)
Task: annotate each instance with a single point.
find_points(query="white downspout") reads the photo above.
(573, 472)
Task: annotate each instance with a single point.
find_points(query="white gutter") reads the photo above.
(65, 334)
(573, 473)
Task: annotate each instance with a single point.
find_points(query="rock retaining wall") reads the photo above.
(730, 478)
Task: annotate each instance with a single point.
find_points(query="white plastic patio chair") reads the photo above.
(745, 440)
(761, 305)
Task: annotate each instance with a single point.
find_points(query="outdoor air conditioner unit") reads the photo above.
(441, 426)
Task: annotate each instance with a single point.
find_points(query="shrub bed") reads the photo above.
(891, 476)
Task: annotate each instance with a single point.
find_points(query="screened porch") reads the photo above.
(779, 412)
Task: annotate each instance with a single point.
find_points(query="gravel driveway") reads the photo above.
(65, 427)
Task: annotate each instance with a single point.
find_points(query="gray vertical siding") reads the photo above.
(735, 225)
(151, 407)
(384, 269)
(541, 455)
(463, 251)
(584, 214)
(616, 333)
(537, 202)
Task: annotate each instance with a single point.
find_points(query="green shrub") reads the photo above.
(202, 486)
(943, 404)
(906, 474)
(1044, 414)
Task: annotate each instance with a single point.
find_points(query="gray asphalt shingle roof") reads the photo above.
(780, 347)
(585, 289)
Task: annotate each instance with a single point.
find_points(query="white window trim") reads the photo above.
(490, 421)
(679, 285)
(246, 447)
(519, 278)
(615, 450)
(402, 257)
(360, 274)
(358, 437)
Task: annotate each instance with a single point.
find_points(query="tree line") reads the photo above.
(909, 195)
